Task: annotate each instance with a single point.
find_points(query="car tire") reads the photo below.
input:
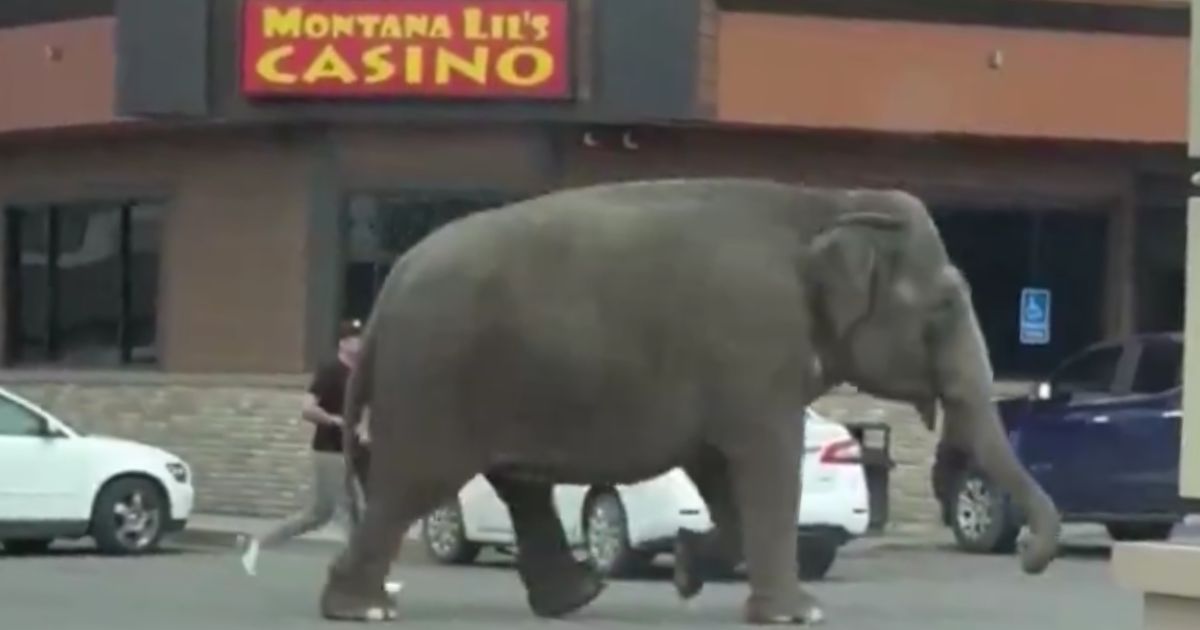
(445, 536)
(606, 537)
(983, 519)
(26, 546)
(129, 517)
(815, 555)
(1137, 532)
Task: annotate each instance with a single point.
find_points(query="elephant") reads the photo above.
(607, 333)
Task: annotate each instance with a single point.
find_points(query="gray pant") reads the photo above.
(328, 493)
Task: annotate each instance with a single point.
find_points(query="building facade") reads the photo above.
(194, 195)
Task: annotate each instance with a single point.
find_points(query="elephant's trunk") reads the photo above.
(974, 421)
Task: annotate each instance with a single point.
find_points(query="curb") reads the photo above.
(899, 541)
(229, 539)
(223, 538)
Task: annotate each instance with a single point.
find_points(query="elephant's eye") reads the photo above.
(944, 306)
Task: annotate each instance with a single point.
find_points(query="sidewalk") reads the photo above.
(214, 530)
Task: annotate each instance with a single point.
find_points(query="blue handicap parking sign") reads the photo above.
(1035, 316)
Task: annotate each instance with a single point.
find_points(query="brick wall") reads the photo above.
(249, 449)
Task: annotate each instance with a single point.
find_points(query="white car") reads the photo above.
(622, 529)
(57, 482)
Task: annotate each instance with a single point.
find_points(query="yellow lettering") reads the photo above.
(369, 23)
(267, 65)
(475, 68)
(329, 65)
(440, 29)
(541, 24)
(541, 66)
(391, 28)
(278, 23)
(416, 25)
(414, 65)
(473, 24)
(343, 26)
(316, 26)
(379, 67)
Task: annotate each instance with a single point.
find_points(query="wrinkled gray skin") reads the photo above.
(605, 335)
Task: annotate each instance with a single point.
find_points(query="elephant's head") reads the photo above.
(893, 316)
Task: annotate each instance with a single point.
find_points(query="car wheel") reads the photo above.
(27, 546)
(128, 516)
(1140, 531)
(445, 536)
(606, 533)
(815, 555)
(982, 520)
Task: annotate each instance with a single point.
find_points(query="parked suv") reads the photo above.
(1101, 435)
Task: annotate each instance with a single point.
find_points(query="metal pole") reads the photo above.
(1189, 456)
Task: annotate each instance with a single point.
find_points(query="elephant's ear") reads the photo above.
(843, 266)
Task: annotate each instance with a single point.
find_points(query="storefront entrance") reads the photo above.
(379, 228)
(1002, 251)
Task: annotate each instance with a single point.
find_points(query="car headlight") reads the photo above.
(179, 471)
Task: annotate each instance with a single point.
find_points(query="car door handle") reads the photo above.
(1100, 419)
(1175, 413)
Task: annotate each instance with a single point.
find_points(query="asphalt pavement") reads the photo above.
(202, 588)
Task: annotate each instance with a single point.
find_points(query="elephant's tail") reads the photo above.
(358, 394)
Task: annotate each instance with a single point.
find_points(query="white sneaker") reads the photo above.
(392, 588)
(250, 557)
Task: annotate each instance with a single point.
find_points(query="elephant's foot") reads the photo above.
(559, 595)
(689, 563)
(342, 600)
(697, 560)
(805, 612)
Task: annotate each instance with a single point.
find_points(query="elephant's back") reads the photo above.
(618, 260)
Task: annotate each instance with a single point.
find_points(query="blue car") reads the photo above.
(1101, 435)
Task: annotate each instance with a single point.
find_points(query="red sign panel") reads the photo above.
(428, 48)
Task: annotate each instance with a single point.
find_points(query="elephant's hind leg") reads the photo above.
(354, 587)
(556, 583)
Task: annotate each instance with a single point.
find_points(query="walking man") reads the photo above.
(323, 408)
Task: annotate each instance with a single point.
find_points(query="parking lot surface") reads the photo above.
(204, 589)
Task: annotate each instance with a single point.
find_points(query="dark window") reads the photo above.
(1159, 367)
(17, 420)
(378, 229)
(82, 284)
(1091, 372)
(1002, 251)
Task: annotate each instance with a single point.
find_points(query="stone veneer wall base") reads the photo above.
(249, 449)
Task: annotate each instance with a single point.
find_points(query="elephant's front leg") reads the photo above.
(766, 481)
(698, 556)
(557, 584)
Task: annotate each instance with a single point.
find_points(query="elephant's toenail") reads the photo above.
(376, 614)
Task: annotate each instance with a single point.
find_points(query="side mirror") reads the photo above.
(1042, 391)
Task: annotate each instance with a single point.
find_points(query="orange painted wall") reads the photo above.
(919, 78)
(41, 93)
